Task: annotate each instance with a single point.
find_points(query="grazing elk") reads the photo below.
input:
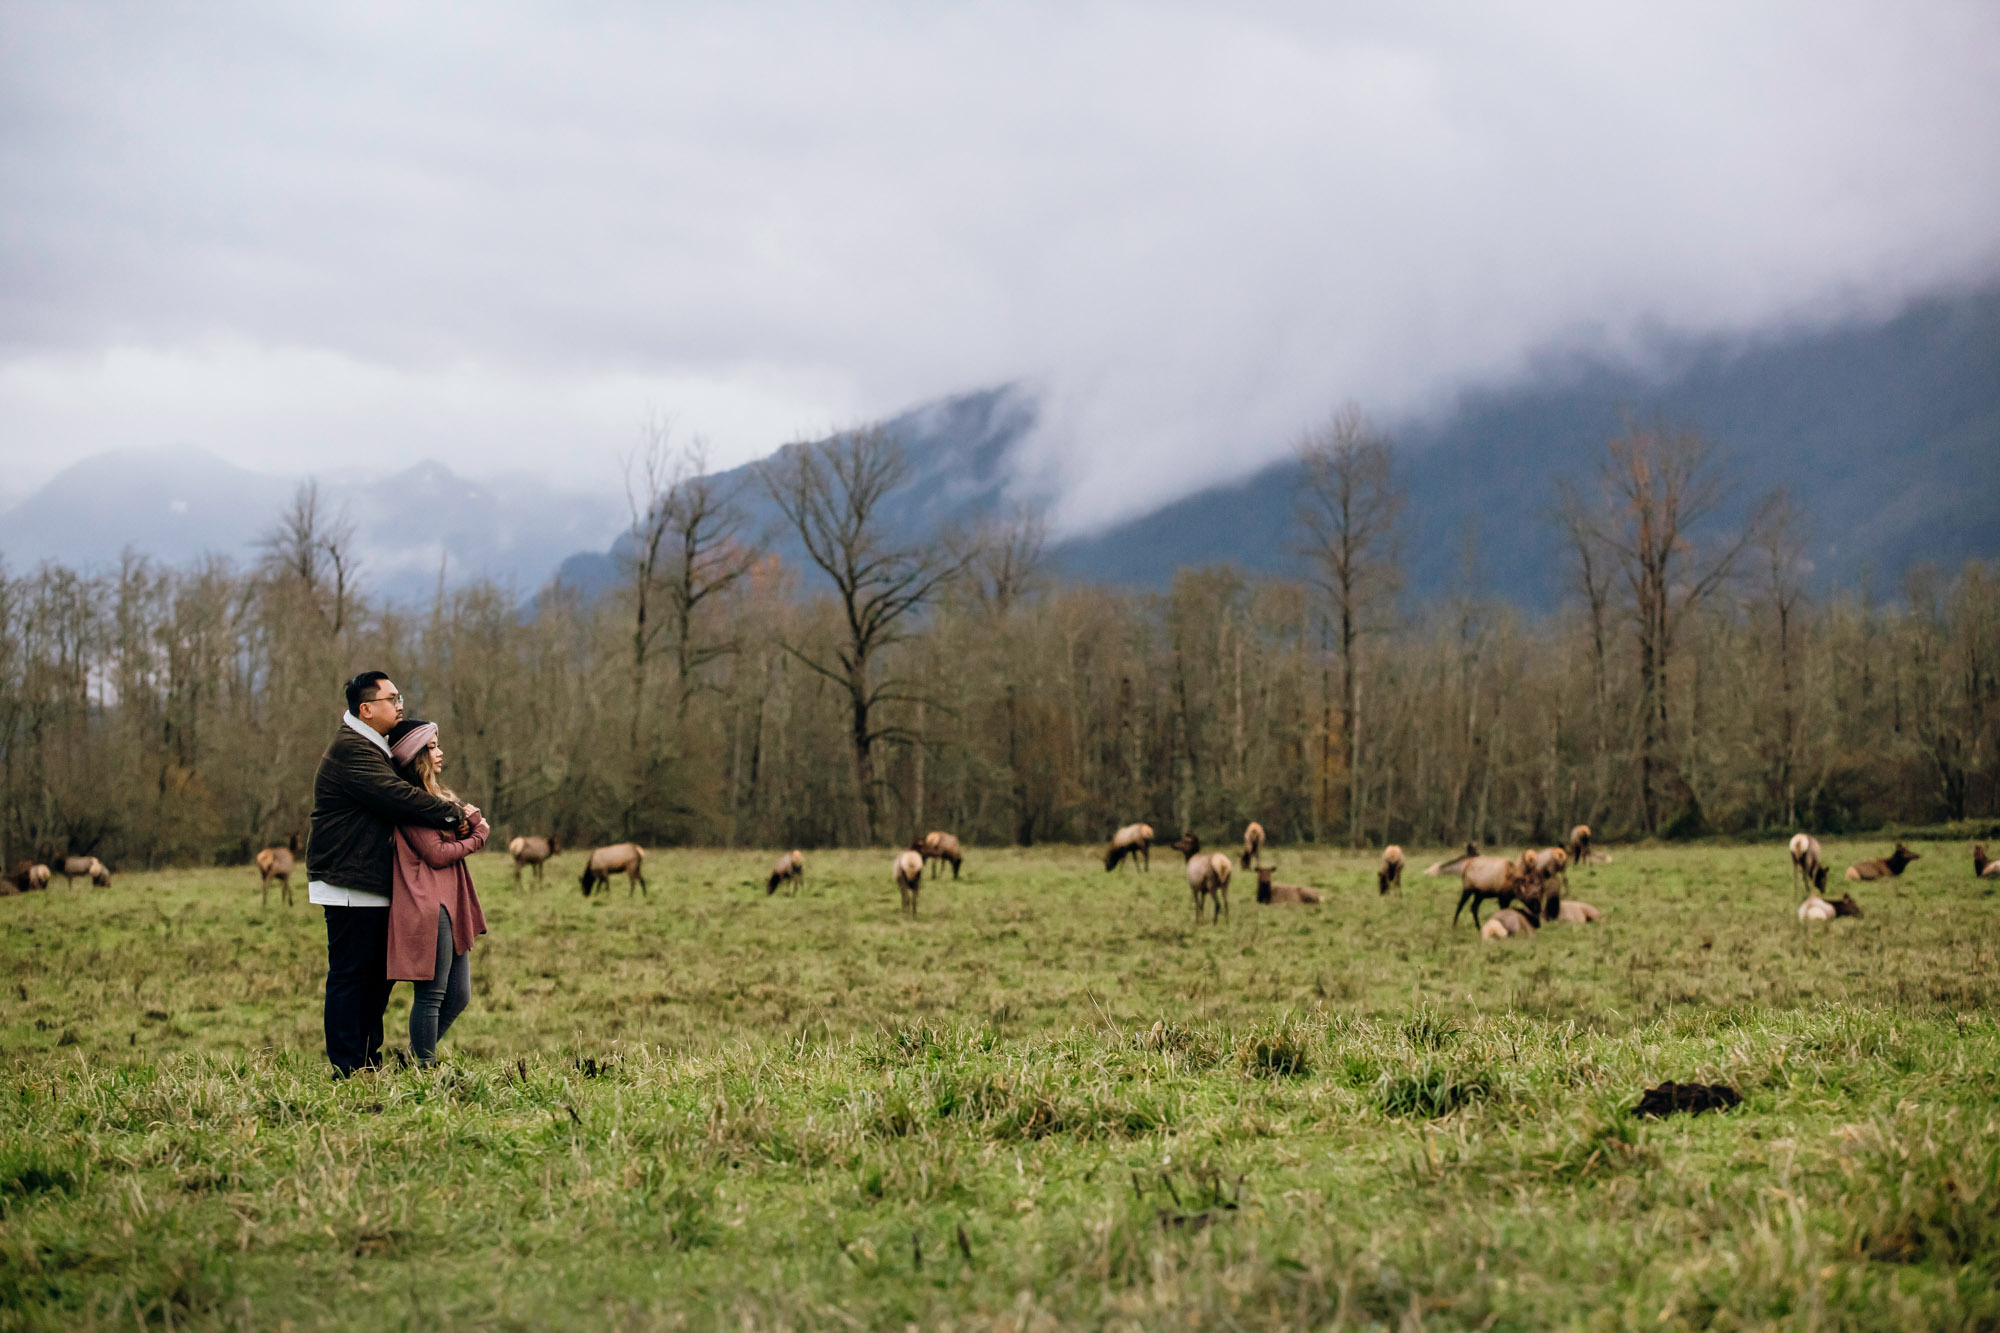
(1981, 867)
(1888, 867)
(620, 858)
(531, 851)
(1207, 876)
(1495, 877)
(1253, 844)
(1805, 858)
(790, 869)
(1268, 893)
(939, 848)
(1134, 840)
(278, 863)
(1451, 867)
(70, 867)
(27, 877)
(909, 868)
(1390, 874)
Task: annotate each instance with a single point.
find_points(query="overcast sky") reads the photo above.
(504, 236)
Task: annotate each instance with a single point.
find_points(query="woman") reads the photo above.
(433, 911)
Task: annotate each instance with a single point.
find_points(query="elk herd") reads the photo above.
(1525, 891)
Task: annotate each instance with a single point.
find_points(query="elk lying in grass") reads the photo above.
(938, 848)
(909, 867)
(1268, 893)
(620, 858)
(1134, 840)
(1888, 867)
(531, 851)
(1495, 877)
(1511, 923)
(1451, 867)
(1805, 859)
(1207, 876)
(1981, 867)
(1390, 874)
(1253, 844)
(1817, 908)
(277, 863)
(1577, 913)
(790, 869)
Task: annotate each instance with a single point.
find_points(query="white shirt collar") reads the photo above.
(373, 735)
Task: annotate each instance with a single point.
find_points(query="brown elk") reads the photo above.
(1253, 843)
(1817, 908)
(1982, 867)
(1577, 913)
(531, 851)
(71, 867)
(1888, 867)
(1550, 863)
(1390, 874)
(940, 848)
(1134, 840)
(1451, 867)
(1578, 846)
(1501, 880)
(278, 863)
(790, 869)
(1805, 858)
(27, 877)
(620, 858)
(1268, 893)
(1207, 876)
(909, 867)
(1511, 923)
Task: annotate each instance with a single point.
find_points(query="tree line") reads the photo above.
(1695, 680)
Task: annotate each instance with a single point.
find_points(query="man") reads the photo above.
(358, 801)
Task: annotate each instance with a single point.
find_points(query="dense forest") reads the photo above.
(1697, 681)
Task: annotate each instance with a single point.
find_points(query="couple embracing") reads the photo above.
(386, 859)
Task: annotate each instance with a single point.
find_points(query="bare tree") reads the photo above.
(1784, 593)
(1659, 487)
(314, 549)
(1007, 560)
(835, 496)
(1349, 508)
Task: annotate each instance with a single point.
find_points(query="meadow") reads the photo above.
(1051, 1101)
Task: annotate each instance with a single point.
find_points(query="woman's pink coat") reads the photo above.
(430, 873)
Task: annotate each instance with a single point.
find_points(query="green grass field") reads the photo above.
(1050, 1102)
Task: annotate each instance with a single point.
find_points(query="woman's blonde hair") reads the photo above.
(426, 770)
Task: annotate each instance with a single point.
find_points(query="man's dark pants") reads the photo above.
(357, 986)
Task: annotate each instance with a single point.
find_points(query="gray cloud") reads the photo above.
(505, 235)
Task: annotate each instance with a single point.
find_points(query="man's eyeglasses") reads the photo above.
(384, 699)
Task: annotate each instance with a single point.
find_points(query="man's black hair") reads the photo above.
(360, 685)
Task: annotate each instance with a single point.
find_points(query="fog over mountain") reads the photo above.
(506, 236)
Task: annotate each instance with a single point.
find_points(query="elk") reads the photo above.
(1253, 843)
(1548, 864)
(27, 877)
(1888, 867)
(790, 869)
(70, 867)
(1817, 908)
(1496, 877)
(1578, 846)
(1805, 858)
(940, 848)
(531, 851)
(1268, 893)
(1207, 876)
(620, 858)
(1578, 913)
(1981, 867)
(910, 876)
(277, 863)
(1510, 923)
(1451, 866)
(1135, 840)
(1390, 875)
